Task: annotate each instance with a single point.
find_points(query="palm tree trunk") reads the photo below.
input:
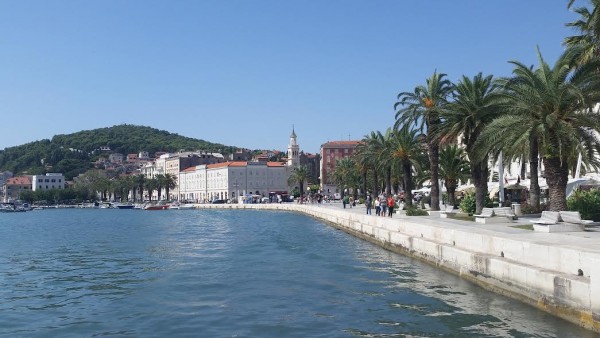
(388, 180)
(479, 173)
(364, 185)
(375, 182)
(534, 185)
(434, 159)
(406, 167)
(557, 176)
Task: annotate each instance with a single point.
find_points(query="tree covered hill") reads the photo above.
(72, 154)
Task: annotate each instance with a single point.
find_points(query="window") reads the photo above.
(46, 180)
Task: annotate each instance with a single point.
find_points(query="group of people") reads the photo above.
(384, 206)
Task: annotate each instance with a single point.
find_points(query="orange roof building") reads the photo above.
(14, 186)
(331, 152)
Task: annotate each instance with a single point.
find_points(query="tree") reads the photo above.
(160, 184)
(346, 174)
(169, 183)
(299, 175)
(454, 168)
(423, 108)
(586, 46)
(552, 109)
(406, 149)
(475, 105)
(151, 184)
(139, 181)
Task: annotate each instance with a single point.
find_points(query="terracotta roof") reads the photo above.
(275, 164)
(335, 143)
(188, 170)
(18, 180)
(340, 143)
(227, 164)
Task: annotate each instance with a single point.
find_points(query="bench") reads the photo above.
(486, 216)
(506, 212)
(548, 217)
(448, 212)
(552, 221)
(573, 217)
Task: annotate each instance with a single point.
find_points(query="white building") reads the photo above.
(47, 182)
(229, 180)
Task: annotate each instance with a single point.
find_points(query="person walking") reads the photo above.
(383, 205)
(377, 207)
(345, 201)
(369, 203)
(391, 204)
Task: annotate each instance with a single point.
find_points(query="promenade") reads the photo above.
(555, 272)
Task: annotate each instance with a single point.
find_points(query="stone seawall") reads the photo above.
(556, 274)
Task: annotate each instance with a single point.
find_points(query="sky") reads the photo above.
(245, 72)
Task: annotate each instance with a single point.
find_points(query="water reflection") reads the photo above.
(233, 273)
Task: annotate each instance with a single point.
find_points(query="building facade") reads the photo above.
(47, 182)
(330, 153)
(230, 180)
(14, 186)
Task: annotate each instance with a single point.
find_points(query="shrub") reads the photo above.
(413, 211)
(527, 209)
(467, 204)
(586, 202)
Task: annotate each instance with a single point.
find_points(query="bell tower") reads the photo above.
(293, 153)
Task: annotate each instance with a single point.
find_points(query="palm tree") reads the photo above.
(475, 105)
(346, 174)
(170, 183)
(299, 175)
(454, 168)
(551, 108)
(160, 184)
(151, 184)
(406, 149)
(423, 107)
(140, 181)
(585, 46)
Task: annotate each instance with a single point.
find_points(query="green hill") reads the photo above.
(72, 154)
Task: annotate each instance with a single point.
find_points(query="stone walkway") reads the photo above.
(588, 240)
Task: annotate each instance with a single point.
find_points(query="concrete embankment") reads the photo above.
(556, 272)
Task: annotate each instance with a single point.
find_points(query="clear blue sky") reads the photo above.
(242, 72)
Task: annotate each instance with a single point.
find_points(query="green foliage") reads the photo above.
(527, 209)
(467, 204)
(413, 211)
(71, 154)
(586, 202)
(50, 196)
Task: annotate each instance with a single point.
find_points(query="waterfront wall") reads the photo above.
(561, 279)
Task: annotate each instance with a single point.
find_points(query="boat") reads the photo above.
(187, 206)
(159, 206)
(125, 206)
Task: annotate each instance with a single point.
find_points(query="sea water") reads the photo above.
(232, 273)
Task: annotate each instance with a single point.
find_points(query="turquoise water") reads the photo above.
(232, 273)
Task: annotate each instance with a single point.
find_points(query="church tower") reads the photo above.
(293, 153)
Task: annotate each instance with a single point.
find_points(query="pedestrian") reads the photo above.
(345, 201)
(391, 204)
(369, 203)
(383, 205)
(377, 207)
